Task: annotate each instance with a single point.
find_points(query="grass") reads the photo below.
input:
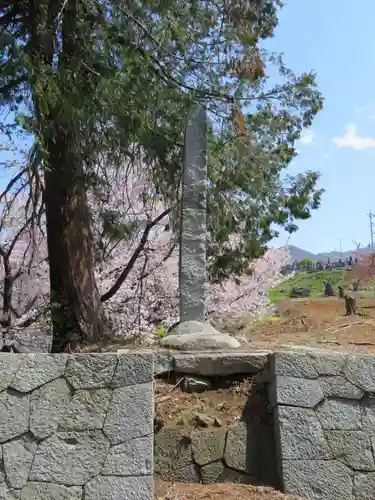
(313, 281)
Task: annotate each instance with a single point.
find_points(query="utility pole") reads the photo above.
(340, 248)
(371, 216)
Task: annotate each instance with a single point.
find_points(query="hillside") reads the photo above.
(313, 281)
(299, 254)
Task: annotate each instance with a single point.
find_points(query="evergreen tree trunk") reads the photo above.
(77, 314)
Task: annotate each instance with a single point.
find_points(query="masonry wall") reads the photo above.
(76, 426)
(324, 408)
(243, 452)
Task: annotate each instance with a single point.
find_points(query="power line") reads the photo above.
(371, 216)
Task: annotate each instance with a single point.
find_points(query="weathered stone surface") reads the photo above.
(133, 369)
(8, 493)
(91, 371)
(130, 414)
(353, 448)
(172, 452)
(37, 369)
(211, 473)
(239, 443)
(364, 486)
(208, 445)
(47, 405)
(195, 384)
(132, 458)
(293, 364)
(18, 456)
(339, 387)
(327, 362)
(50, 491)
(340, 415)
(305, 393)
(71, 458)
(2, 475)
(192, 262)
(163, 362)
(193, 327)
(119, 488)
(14, 415)
(9, 364)
(87, 410)
(187, 474)
(211, 364)
(200, 341)
(368, 419)
(301, 435)
(360, 370)
(234, 476)
(318, 479)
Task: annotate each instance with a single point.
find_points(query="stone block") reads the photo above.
(48, 404)
(340, 415)
(301, 435)
(212, 364)
(208, 445)
(87, 410)
(132, 458)
(18, 456)
(364, 486)
(72, 458)
(9, 364)
(163, 362)
(38, 369)
(352, 448)
(50, 491)
(339, 387)
(130, 414)
(119, 488)
(360, 371)
(211, 473)
(291, 391)
(14, 415)
(318, 479)
(172, 452)
(327, 362)
(293, 364)
(133, 369)
(91, 371)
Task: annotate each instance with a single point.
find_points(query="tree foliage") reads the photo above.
(100, 83)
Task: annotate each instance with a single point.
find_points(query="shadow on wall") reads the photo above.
(260, 453)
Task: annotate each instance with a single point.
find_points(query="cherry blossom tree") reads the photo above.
(136, 255)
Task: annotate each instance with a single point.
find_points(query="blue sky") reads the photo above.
(335, 38)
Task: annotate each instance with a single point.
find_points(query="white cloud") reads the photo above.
(307, 137)
(352, 140)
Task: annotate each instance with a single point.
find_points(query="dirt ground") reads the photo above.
(226, 491)
(219, 406)
(315, 322)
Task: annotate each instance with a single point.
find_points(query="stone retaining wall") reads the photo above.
(239, 453)
(76, 426)
(244, 452)
(325, 422)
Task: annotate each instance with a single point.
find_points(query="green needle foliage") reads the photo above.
(94, 79)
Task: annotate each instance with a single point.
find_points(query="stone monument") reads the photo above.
(192, 267)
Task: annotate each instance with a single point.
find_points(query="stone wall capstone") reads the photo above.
(324, 409)
(76, 426)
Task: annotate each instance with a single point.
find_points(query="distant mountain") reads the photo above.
(299, 254)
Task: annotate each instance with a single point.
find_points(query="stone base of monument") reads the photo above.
(194, 335)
